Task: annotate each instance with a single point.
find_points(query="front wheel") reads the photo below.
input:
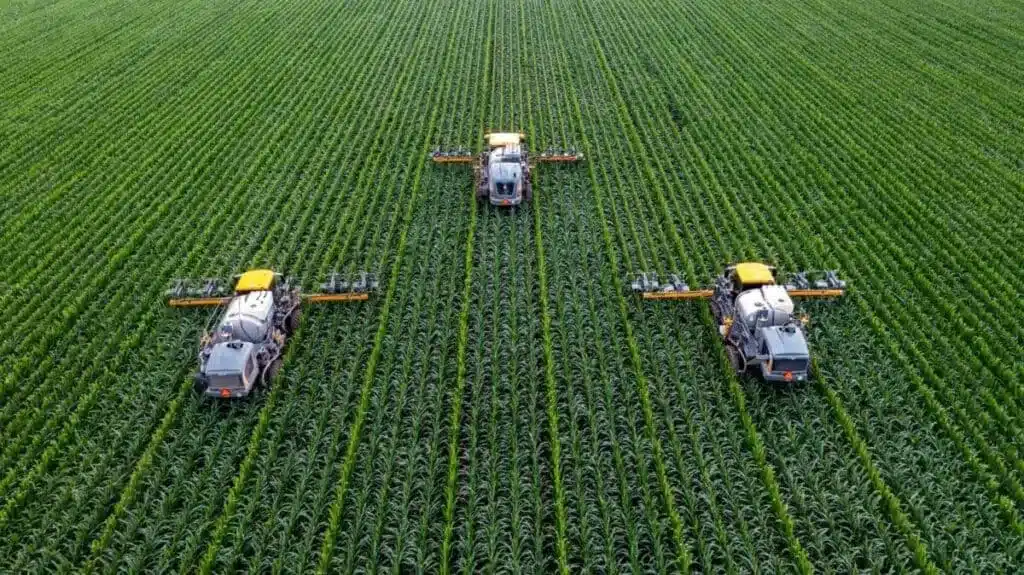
(716, 312)
(292, 323)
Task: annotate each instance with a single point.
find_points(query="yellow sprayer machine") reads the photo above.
(502, 171)
(247, 343)
(755, 315)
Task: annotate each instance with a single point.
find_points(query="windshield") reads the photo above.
(786, 364)
(225, 381)
(505, 189)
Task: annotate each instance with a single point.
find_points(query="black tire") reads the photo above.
(291, 323)
(199, 383)
(716, 312)
(270, 374)
(736, 359)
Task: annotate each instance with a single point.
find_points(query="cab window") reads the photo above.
(225, 381)
(795, 365)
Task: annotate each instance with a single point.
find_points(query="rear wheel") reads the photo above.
(199, 383)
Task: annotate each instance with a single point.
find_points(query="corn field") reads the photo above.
(504, 404)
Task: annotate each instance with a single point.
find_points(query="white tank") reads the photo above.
(748, 304)
(778, 299)
(772, 299)
(507, 153)
(249, 316)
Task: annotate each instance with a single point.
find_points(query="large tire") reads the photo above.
(716, 312)
(291, 323)
(736, 359)
(271, 372)
(199, 383)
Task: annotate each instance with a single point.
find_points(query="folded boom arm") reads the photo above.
(553, 156)
(198, 301)
(210, 292)
(457, 156)
(799, 286)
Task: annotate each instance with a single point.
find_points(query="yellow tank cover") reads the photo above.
(255, 280)
(499, 139)
(754, 273)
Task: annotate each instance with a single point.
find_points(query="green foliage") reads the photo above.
(504, 404)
